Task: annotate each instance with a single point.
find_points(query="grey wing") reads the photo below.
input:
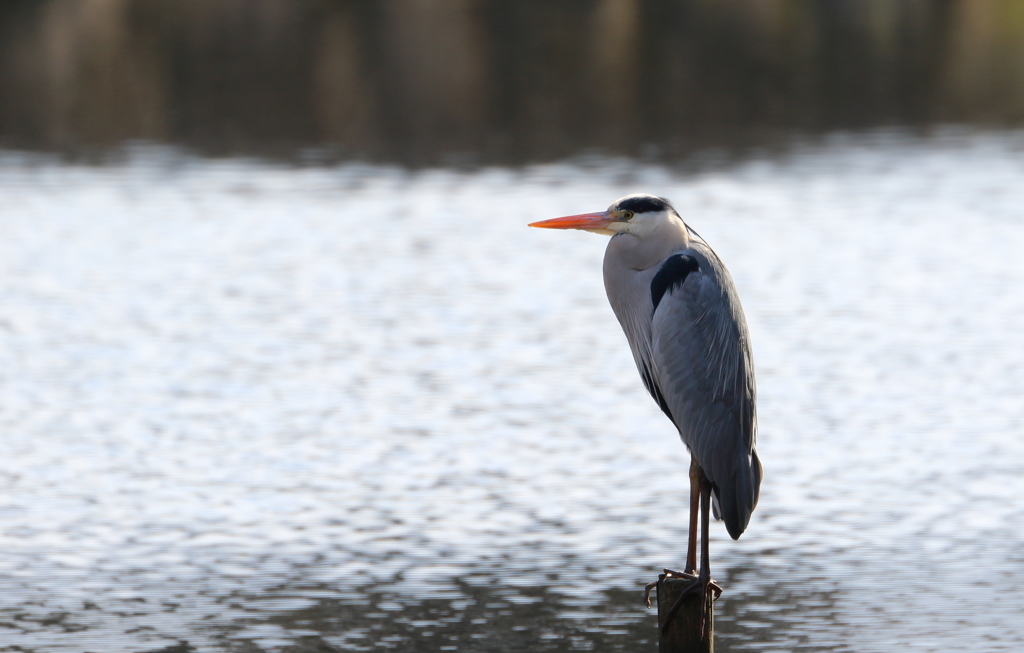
(704, 370)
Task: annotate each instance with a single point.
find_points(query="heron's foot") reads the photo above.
(667, 573)
(707, 588)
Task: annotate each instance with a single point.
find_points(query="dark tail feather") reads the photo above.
(738, 498)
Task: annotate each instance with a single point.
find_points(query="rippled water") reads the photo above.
(259, 408)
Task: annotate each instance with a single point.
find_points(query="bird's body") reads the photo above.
(681, 314)
(693, 354)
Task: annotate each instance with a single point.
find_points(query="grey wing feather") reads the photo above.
(704, 369)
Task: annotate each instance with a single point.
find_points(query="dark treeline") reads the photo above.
(423, 81)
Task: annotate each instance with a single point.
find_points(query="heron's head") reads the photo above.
(637, 214)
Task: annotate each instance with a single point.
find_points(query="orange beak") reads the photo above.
(599, 220)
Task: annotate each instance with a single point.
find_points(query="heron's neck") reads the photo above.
(650, 249)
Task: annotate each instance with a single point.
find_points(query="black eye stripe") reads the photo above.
(644, 204)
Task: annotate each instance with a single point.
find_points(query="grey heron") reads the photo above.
(682, 317)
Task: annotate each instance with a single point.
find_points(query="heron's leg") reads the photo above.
(708, 588)
(705, 527)
(696, 475)
(690, 571)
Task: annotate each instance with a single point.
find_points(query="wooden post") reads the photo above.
(684, 634)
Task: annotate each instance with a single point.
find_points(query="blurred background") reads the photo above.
(282, 369)
(490, 81)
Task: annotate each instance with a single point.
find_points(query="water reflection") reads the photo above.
(491, 81)
(251, 407)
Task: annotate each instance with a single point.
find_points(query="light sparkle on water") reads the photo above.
(355, 405)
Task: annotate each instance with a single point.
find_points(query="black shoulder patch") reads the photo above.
(644, 204)
(673, 273)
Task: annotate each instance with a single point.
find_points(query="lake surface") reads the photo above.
(250, 407)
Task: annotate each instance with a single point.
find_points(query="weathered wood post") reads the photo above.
(683, 634)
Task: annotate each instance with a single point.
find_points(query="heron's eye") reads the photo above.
(626, 215)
